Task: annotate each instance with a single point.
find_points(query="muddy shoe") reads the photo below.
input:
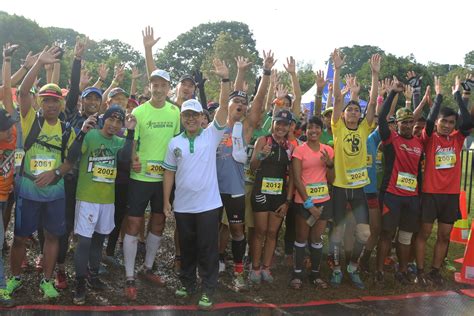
(436, 278)
(80, 292)
(148, 275)
(95, 283)
(255, 276)
(131, 290)
(336, 278)
(402, 278)
(267, 275)
(356, 280)
(422, 280)
(315, 279)
(296, 282)
(48, 289)
(239, 282)
(205, 303)
(61, 280)
(13, 285)
(5, 299)
(379, 279)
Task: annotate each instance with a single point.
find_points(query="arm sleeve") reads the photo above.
(77, 148)
(73, 95)
(430, 121)
(465, 115)
(125, 153)
(383, 124)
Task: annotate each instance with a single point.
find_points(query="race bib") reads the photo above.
(318, 190)
(378, 158)
(406, 181)
(19, 154)
(369, 161)
(41, 163)
(273, 186)
(357, 176)
(249, 175)
(445, 160)
(104, 173)
(154, 169)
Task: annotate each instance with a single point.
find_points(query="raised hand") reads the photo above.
(320, 81)
(220, 69)
(9, 49)
(413, 80)
(396, 85)
(243, 63)
(119, 73)
(85, 78)
(103, 71)
(375, 62)
(148, 38)
(281, 91)
(130, 121)
(49, 55)
(326, 159)
(408, 92)
(427, 97)
(81, 46)
(290, 66)
(89, 123)
(337, 59)
(381, 89)
(457, 85)
(268, 60)
(135, 73)
(274, 77)
(468, 84)
(437, 83)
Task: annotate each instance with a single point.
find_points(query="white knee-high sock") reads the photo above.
(129, 253)
(153, 243)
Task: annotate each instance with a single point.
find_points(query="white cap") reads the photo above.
(161, 73)
(191, 105)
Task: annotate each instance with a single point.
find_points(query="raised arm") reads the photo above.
(430, 121)
(102, 72)
(243, 64)
(419, 108)
(394, 89)
(255, 113)
(274, 80)
(290, 67)
(148, 42)
(8, 51)
(374, 61)
(200, 82)
(47, 56)
(318, 101)
(133, 87)
(74, 90)
(465, 126)
(337, 61)
(125, 153)
(222, 71)
(56, 73)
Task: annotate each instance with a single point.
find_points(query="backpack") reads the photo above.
(33, 138)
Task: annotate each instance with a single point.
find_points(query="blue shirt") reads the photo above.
(373, 142)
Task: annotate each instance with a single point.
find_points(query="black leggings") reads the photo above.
(121, 206)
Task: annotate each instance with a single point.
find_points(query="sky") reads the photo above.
(308, 30)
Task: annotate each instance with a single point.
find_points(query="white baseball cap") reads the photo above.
(161, 73)
(191, 105)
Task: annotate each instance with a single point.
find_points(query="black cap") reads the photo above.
(187, 77)
(6, 120)
(238, 93)
(283, 115)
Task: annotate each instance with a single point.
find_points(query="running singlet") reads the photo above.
(350, 154)
(402, 159)
(7, 165)
(155, 128)
(98, 168)
(443, 162)
(313, 172)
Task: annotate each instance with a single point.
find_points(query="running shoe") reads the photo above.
(5, 298)
(80, 292)
(239, 282)
(356, 280)
(13, 285)
(336, 278)
(267, 275)
(205, 302)
(131, 290)
(48, 289)
(255, 276)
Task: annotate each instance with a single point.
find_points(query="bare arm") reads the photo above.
(8, 51)
(221, 70)
(243, 65)
(338, 61)
(318, 101)
(291, 69)
(375, 61)
(135, 76)
(419, 108)
(56, 73)
(148, 42)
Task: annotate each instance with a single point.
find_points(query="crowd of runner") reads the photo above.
(91, 162)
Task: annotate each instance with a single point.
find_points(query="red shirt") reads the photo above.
(7, 166)
(443, 162)
(402, 159)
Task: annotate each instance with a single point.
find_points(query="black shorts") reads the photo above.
(267, 202)
(140, 193)
(356, 198)
(234, 208)
(443, 207)
(325, 215)
(402, 212)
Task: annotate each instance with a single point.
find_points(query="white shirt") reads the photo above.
(194, 161)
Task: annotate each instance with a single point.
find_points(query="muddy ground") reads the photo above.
(277, 293)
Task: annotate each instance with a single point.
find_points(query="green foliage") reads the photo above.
(227, 48)
(188, 51)
(469, 60)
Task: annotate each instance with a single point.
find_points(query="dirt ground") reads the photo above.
(277, 293)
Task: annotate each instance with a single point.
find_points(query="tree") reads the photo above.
(64, 37)
(469, 60)
(357, 56)
(187, 52)
(226, 48)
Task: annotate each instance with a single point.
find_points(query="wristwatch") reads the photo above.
(57, 173)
